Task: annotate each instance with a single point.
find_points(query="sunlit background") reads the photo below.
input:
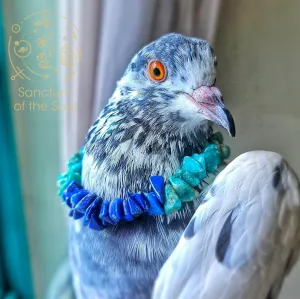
(59, 64)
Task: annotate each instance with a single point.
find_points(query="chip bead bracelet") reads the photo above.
(163, 198)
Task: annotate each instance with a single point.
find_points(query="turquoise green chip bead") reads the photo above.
(76, 158)
(178, 173)
(74, 176)
(63, 187)
(187, 177)
(217, 137)
(76, 167)
(225, 151)
(200, 158)
(193, 166)
(184, 191)
(190, 178)
(212, 158)
(172, 201)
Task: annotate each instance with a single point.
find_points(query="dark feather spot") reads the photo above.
(213, 190)
(270, 295)
(90, 132)
(141, 139)
(224, 238)
(277, 176)
(189, 232)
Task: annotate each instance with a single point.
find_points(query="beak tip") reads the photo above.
(232, 131)
(231, 124)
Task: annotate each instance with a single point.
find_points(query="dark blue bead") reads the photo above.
(156, 207)
(134, 207)
(76, 198)
(85, 202)
(157, 184)
(77, 215)
(104, 212)
(127, 213)
(96, 223)
(71, 213)
(104, 223)
(116, 212)
(140, 198)
(94, 207)
(71, 189)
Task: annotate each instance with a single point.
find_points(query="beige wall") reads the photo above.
(258, 48)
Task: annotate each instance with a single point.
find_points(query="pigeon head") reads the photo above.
(173, 79)
(162, 110)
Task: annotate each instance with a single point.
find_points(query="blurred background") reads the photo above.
(59, 64)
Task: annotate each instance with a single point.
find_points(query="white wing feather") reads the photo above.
(241, 243)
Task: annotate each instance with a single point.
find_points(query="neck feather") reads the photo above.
(122, 150)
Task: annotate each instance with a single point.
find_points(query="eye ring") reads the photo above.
(157, 71)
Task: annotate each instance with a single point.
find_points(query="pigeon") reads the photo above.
(243, 241)
(162, 110)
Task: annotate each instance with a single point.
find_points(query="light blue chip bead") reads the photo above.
(200, 159)
(184, 191)
(191, 165)
(172, 201)
(212, 158)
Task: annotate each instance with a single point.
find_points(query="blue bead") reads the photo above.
(71, 189)
(105, 223)
(116, 212)
(134, 207)
(155, 207)
(141, 200)
(95, 206)
(157, 184)
(127, 213)
(85, 202)
(104, 213)
(77, 215)
(71, 213)
(96, 223)
(76, 198)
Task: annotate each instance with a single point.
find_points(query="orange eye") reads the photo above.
(157, 71)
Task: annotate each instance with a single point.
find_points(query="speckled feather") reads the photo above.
(146, 129)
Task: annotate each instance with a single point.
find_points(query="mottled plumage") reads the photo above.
(244, 240)
(146, 129)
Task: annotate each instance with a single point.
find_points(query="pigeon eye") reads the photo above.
(157, 71)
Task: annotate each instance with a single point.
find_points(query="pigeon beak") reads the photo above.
(209, 101)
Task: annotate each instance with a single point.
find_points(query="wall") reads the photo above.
(258, 46)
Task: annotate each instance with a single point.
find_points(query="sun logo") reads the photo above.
(33, 49)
